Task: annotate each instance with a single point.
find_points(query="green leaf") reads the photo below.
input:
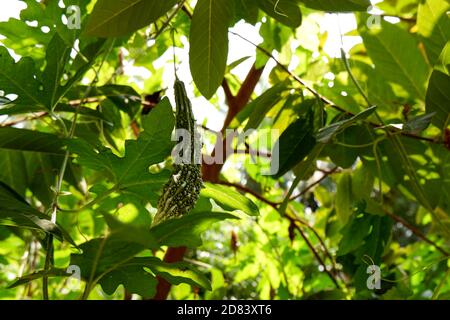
(102, 255)
(58, 54)
(130, 233)
(327, 133)
(379, 91)
(57, 67)
(138, 276)
(29, 140)
(262, 105)
(229, 199)
(176, 273)
(257, 109)
(42, 171)
(437, 190)
(20, 79)
(276, 37)
(15, 211)
(133, 277)
(362, 183)
(337, 5)
(84, 111)
(185, 231)
(111, 260)
(114, 18)
(433, 26)
(130, 173)
(438, 98)
(344, 199)
(294, 144)
(345, 156)
(236, 63)
(247, 10)
(393, 51)
(81, 64)
(29, 40)
(14, 172)
(124, 97)
(285, 11)
(364, 240)
(208, 44)
(406, 8)
(354, 234)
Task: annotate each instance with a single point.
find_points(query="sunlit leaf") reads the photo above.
(113, 18)
(208, 44)
(229, 199)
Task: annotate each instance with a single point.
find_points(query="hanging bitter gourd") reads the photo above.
(181, 192)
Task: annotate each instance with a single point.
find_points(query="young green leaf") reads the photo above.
(53, 272)
(185, 231)
(15, 211)
(229, 199)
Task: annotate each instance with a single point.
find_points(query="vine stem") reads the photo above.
(54, 205)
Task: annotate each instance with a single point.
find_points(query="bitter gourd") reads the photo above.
(181, 192)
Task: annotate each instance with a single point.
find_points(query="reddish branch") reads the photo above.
(235, 104)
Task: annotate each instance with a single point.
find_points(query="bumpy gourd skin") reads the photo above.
(181, 192)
